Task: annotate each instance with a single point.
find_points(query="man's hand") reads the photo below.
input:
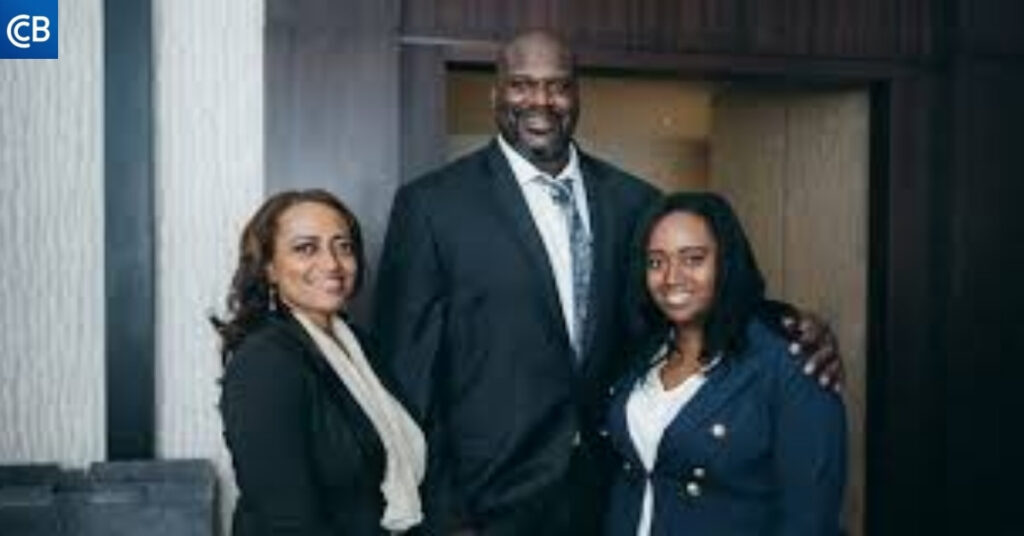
(812, 337)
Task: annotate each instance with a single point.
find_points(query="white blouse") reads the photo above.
(649, 411)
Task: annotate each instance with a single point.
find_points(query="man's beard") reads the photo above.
(511, 124)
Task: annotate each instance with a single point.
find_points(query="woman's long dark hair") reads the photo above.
(739, 287)
(248, 300)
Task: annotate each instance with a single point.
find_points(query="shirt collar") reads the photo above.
(525, 171)
(666, 346)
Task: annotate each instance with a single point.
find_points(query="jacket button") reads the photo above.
(699, 472)
(718, 430)
(576, 439)
(602, 432)
(693, 489)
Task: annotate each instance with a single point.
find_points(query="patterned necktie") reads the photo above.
(561, 192)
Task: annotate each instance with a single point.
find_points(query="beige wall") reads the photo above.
(656, 129)
(52, 386)
(795, 166)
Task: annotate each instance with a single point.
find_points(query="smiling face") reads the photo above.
(682, 268)
(314, 264)
(535, 100)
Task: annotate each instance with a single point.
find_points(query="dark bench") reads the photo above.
(152, 498)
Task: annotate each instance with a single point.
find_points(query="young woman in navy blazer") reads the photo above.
(716, 428)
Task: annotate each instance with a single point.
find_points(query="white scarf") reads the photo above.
(404, 446)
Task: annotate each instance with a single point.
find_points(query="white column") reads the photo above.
(52, 387)
(208, 59)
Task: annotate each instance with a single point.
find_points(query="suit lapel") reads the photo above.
(511, 206)
(367, 438)
(724, 381)
(602, 234)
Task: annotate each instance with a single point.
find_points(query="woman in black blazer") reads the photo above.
(318, 444)
(717, 429)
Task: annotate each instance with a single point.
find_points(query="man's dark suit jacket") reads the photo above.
(469, 320)
(307, 459)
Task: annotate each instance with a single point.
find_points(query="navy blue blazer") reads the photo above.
(760, 449)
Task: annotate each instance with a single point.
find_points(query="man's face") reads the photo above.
(536, 103)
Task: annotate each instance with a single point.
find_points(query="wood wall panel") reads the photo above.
(795, 166)
(748, 162)
(825, 225)
(991, 27)
(840, 28)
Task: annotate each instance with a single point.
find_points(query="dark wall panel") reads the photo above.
(424, 138)
(991, 27)
(983, 322)
(838, 28)
(905, 379)
(332, 105)
(984, 334)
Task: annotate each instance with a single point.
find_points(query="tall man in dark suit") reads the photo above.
(500, 308)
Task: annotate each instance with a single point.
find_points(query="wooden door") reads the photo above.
(794, 164)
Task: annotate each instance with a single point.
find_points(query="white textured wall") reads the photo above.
(51, 228)
(209, 178)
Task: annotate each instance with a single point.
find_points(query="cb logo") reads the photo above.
(30, 29)
(19, 35)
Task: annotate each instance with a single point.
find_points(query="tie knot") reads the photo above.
(560, 190)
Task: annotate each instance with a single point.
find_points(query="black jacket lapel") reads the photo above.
(363, 429)
(602, 232)
(511, 205)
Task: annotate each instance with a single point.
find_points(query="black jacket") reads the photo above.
(470, 323)
(307, 460)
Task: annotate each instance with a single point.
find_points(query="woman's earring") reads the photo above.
(272, 298)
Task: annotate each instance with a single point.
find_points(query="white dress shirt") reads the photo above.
(649, 411)
(550, 220)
